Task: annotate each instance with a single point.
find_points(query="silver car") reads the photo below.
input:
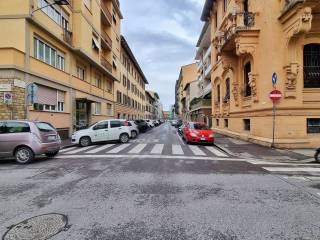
(133, 129)
(25, 139)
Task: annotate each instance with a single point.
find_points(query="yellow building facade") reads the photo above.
(130, 94)
(251, 40)
(71, 52)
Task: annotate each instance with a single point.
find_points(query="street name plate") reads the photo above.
(5, 87)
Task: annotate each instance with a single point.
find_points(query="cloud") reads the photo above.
(163, 36)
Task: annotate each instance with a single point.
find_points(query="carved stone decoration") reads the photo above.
(244, 48)
(226, 62)
(305, 22)
(253, 85)
(292, 71)
(235, 92)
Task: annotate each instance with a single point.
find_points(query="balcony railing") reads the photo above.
(67, 36)
(203, 103)
(288, 4)
(207, 89)
(106, 39)
(311, 76)
(106, 12)
(106, 64)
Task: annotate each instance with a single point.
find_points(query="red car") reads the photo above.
(197, 132)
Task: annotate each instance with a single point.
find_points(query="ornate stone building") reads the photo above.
(251, 40)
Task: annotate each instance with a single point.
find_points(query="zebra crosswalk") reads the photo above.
(147, 149)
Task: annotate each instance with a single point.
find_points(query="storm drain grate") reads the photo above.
(40, 227)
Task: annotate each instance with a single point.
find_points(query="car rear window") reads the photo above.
(2, 128)
(45, 127)
(198, 126)
(17, 127)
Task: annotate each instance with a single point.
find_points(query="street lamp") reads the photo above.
(55, 2)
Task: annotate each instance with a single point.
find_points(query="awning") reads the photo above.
(86, 99)
(95, 43)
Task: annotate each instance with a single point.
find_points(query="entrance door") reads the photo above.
(82, 115)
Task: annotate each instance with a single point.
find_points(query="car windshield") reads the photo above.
(45, 127)
(198, 126)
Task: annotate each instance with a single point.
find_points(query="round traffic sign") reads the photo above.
(275, 95)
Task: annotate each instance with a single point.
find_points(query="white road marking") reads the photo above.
(177, 150)
(138, 148)
(216, 152)
(120, 148)
(100, 148)
(80, 149)
(197, 151)
(67, 149)
(282, 169)
(182, 157)
(318, 193)
(157, 149)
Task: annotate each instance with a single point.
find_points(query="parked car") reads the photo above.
(197, 132)
(150, 123)
(106, 130)
(142, 125)
(174, 122)
(25, 139)
(317, 155)
(179, 123)
(134, 129)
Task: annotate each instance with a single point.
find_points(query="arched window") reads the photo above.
(218, 93)
(246, 71)
(311, 65)
(227, 96)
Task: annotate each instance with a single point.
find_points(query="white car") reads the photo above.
(106, 130)
(150, 123)
(134, 130)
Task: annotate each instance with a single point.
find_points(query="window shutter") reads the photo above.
(47, 95)
(60, 96)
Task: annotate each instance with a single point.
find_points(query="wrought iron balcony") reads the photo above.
(202, 103)
(311, 76)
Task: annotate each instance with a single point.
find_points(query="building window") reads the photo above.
(98, 81)
(55, 13)
(311, 65)
(124, 81)
(313, 125)
(227, 96)
(44, 52)
(246, 71)
(81, 72)
(60, 106)
(226, 123)
(247, 124)
(128, 84)
(217, 122)
(119, 97)
(97, 109)
(109, 109)
(109, 86)
(218, 93)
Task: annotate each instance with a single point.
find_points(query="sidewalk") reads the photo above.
(66, 143)
(245, 149)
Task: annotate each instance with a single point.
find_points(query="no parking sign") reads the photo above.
(7, 98)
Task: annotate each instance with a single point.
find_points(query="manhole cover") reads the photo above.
(40, 227)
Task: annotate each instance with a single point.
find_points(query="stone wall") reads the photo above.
(16, 110)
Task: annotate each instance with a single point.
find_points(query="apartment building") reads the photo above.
(188, 73)
(150, 111)
(130, 95)
(70, 50)
(251, 40)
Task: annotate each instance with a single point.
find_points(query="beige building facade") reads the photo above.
(251, 40)
(71, 52)
(130, 95)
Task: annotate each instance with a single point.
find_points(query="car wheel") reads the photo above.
(24, 155)
(85, 141)
(134, 134)
(317, 156)
(52, 154)
(124, 138)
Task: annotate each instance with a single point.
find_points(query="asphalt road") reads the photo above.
(137, 193)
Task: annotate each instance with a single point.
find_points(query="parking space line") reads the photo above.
(100, 148)
(120, 148)
(216, 151)
(197, 151)
(157, 149)
(138, 148)
(177, 150)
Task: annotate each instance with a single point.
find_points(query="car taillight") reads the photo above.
(126, 123)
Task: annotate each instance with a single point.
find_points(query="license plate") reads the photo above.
(52, 138)
(202, 139)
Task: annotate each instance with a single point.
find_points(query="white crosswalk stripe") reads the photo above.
(81, 149)
(197, 151)
(138, 148)
(177, 150)
(120, 148)
(157, 149)
(216, 152)
(96, 150)
(292, 169)
(67, 149)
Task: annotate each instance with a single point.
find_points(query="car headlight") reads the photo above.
(193, 134)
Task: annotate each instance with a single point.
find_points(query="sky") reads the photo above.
(162, 34)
